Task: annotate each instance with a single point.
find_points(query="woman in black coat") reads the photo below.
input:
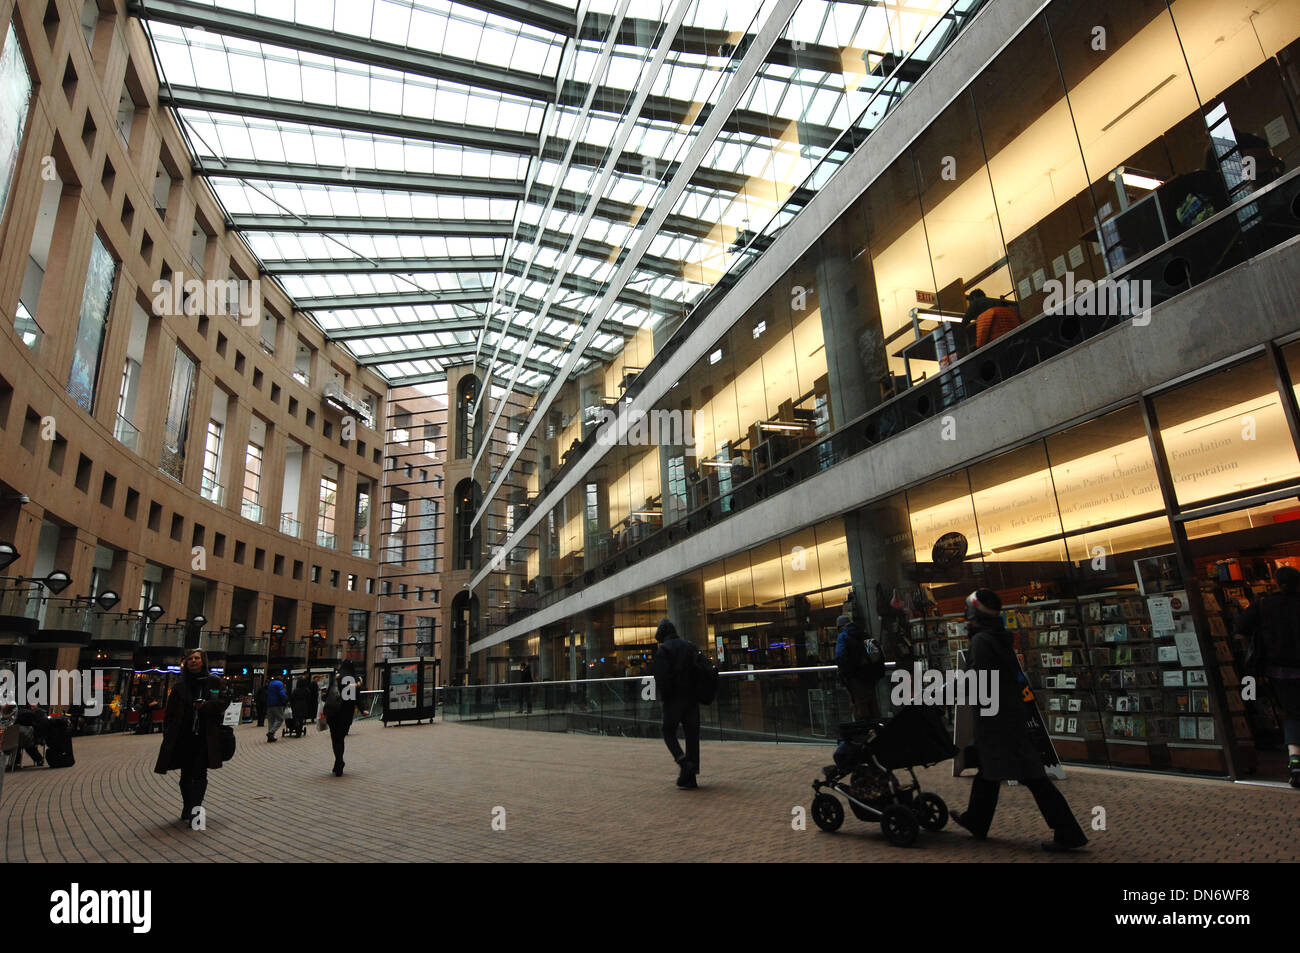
(340, 707)
(192, 729)
(1003, 747)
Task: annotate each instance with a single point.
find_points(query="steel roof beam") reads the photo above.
(340, 117)
(356, 49)
(369, 225)
(547, 16)
(389, 266)
(345, 177)
(396, 299)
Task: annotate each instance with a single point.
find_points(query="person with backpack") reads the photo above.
(862, 664)
(276, 699)
(1272, 628)
(675, 687)
(339, 709)
(192, 729)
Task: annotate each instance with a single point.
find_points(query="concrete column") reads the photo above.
(126, 578)
(236, 453)
(24, 204)
(112, 361)
(845, 292)
(301, 627)
(309, 493)
(216, 604)
(598, 638)
(879, 541)
(259, 615)
(273, 476)
(686, 610)
(345, 509)
(76, 556)
(21, 525)
(200, 414)
(155, 388)
(65, 279)
(174, 594)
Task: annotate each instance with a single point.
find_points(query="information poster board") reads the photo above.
(409, 689)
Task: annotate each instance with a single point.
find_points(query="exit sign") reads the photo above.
(926, 298)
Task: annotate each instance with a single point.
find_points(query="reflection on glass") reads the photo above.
(1226, 434)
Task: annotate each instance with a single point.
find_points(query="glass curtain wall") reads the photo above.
(1087, 144)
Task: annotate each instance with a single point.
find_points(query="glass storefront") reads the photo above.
(1123, 548)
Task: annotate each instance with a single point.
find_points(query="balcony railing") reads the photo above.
(251, 510)
(210, 489)
(361, 547)
(788, 705)
(217, 642)
(249, 646)
(303, 378)
(290, 526)
(20, 603)
(333, 393)
(288, 648)
(117, 627)
(165, 635)
(126, 433)
(327, 540)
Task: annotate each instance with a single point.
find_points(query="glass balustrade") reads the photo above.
(789, 705)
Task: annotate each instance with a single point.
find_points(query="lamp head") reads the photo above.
(154, 612)
(8, 553)
(57, 581)
(107, 599)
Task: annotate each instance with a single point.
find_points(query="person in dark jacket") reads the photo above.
(340, 707)
(276, 699)
(1272, 624)
(32, 721)
(192, 729)
(1004, 748)
(851, 657)
(672, 673)
(303, 702)
(525, 686)
(259, 702)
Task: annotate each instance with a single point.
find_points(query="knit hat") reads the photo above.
(984, 601)
(665, 631)
(842, 621)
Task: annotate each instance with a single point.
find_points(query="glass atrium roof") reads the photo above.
(440, 182)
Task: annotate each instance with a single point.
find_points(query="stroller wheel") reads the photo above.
(827, 812)
(899, 826)
(931, 813)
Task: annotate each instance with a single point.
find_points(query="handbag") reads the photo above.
(227, 743)
(10, 739)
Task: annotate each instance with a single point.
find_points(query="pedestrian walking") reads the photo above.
(339, 708)
(304, 703)
(676, 692)
(276, 699)
(1272, 628)
(192, 729)
(525, 687)
(1003, 748)
(861, 665)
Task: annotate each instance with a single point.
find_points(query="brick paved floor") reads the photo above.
(427, 793)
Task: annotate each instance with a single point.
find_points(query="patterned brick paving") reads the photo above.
(427, 793)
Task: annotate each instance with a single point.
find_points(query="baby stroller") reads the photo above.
(295, 724)
(863, 773)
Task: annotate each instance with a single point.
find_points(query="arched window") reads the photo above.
(469, 424)
(466, 542)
